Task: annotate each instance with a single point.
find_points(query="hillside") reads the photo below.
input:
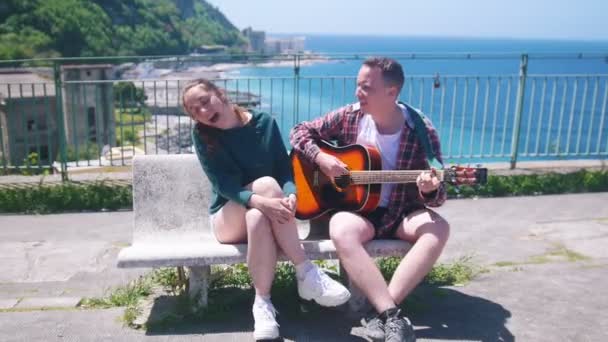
(80, 28)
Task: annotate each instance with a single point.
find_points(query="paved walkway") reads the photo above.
(550, 286)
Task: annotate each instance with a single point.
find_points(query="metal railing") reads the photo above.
(81, 116)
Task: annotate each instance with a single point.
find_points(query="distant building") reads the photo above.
(256, 40)
(285, 45)
(211, 49)
(88, 108)
(28, 112)
(272, 46)
(28, 117)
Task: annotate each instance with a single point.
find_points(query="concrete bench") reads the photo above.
(171, 226)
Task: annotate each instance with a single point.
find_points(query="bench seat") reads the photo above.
(213, 253)
(171, 227)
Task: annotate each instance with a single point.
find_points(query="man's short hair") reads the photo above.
(392, 72)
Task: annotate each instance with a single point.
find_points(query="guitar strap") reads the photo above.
(423, 136)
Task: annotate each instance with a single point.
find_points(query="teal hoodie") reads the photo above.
(242, 155)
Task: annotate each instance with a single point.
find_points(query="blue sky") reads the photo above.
(545, 19)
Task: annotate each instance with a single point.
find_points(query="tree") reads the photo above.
(26, 44)
(74, 28)
(126, 93)
(80, 27)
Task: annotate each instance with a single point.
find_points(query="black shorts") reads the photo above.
(376, 216)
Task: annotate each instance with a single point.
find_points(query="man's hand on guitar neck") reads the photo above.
(428, 182)
(331, 166)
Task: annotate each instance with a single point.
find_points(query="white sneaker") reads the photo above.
(265, 326)
(319, 286)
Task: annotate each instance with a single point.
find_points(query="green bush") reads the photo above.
(98, 196)
(44, 199)
(89, 151)
(31, 166)
(236, 275)
(126, 93)
(132, 116)
(388, 266)
(523, 185)
(128, 135)
(457, 272)
(595, 182)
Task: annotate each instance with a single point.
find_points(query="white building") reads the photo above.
(284, 45)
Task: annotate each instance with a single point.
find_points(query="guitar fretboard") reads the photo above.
(379, 177)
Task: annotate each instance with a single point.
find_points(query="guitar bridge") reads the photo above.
(315, 180)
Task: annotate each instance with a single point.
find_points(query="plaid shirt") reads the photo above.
(342, 125)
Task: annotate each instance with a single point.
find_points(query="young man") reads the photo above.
(403, 213)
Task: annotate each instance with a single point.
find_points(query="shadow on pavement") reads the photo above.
(437, 312)
(445, 313)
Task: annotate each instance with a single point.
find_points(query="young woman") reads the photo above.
(254, 198)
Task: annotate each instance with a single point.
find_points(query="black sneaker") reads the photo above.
(398, 328)
(373, 327)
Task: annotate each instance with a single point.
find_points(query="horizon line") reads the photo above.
(431, 36)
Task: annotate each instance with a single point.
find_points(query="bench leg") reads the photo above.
(198, 285)
(358, 303)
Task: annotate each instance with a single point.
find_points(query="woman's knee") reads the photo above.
(257, 223)
(267, 186)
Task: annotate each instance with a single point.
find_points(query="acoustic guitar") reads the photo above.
(359, 190)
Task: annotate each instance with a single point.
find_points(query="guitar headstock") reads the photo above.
(461, 175)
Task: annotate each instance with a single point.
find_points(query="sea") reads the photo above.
(468, 87)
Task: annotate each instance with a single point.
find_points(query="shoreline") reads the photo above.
(147, 72)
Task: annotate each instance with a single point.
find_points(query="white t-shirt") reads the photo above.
(387, 144)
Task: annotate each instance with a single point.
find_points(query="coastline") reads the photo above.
(145, 71)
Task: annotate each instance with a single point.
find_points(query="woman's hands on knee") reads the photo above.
(276, 209)
(291, 203)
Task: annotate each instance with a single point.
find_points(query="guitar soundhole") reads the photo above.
(330, 195)
(343, 181)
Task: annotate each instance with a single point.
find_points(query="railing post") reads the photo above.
(296, 88)
(60, 120)
(2, 150)
(521, 91)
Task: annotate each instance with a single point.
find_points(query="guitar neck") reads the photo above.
(384, 176)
